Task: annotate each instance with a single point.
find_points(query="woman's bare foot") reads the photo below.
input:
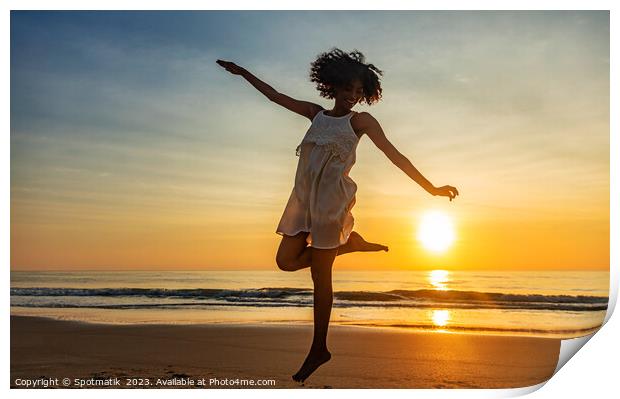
(357, 243)
(312, 362)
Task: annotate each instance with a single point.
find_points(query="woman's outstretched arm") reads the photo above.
(372, 128)
(304, 108)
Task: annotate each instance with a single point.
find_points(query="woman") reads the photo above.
(317, 224)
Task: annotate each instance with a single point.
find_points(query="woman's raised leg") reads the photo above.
(293, 254)
(322, 262)
(290, 250)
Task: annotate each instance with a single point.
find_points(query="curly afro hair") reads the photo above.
(337, 68)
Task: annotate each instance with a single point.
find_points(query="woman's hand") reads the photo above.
(231, 67)
(446, 191)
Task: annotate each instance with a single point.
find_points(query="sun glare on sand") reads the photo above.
(436, 231)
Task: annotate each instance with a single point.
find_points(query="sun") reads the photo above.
(436, 231)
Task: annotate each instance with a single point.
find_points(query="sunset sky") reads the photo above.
(132, 149)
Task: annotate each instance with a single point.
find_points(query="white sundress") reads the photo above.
(324, 194)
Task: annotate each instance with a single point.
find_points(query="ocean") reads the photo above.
(562, 304)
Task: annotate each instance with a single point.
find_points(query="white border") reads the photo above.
(593, 371)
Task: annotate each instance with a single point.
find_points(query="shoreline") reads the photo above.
(525, 332)
(43, 347)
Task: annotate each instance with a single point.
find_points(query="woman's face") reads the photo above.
(350, 94)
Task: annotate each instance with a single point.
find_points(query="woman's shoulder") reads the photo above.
(364, 115)
(360, 122)
(316, 109)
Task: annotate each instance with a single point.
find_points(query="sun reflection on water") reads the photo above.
(440, 318)
(439, 279)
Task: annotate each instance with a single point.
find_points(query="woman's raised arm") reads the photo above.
(373, 129)
(304, 108)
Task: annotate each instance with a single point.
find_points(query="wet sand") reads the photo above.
(362, 357)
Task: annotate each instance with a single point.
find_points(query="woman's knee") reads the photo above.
(285, 264)
(289, 250)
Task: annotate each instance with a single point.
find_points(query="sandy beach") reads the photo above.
(362, 357)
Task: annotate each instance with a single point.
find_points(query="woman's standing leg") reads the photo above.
(321, 269)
